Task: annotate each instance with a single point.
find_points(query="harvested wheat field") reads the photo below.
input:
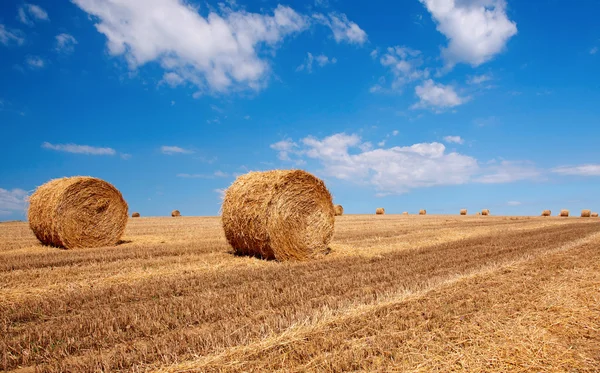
(394, 293)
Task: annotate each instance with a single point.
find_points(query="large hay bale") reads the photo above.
(280, 214)
(586, 213)
(380, 211)
(546, 213)
(175, 213)
(463, 211)
(422, 212)
(485, 212)
(564, 213)
(77, 212)
(338, 210)
(405, 213)
(135, 215)
(594, 215)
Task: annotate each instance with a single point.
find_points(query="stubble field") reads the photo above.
(395, 293)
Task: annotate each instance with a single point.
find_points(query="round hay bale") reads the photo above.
(546, 213)
(463, 211)
(77, 212)
(279, 214)
(478, 213)
(175, 213)
(405, 213)
(422, 212)
(564, 213)
(485, 212)
(594, 215)
(338, 210)
(586, 213)
(135, 215)
(380, 211)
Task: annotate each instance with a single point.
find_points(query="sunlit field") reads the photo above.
(393, 293)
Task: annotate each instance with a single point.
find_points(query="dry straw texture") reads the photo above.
(485, 212)
(77, 212)
(279, 214)
(594, 214)
(422, 212)
(380, 211)
(463, 212)
(586, 213)
(339, 210)
(135, 215)
(564, 213)
(546, 213)
(175, 213)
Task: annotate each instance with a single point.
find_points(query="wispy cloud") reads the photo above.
(514, 203)
(321, 60)
(35, 62)
(214, 175)
(582, 170)
(593, 50)
(170, 150)
(13, 200)
(79, 149)
(478, 79)
(454, 140)
(8, 37)
(65, 43)
(28, 13)
(343, 29)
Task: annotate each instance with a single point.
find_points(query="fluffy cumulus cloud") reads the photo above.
(79, 149)
(399, 169)
(344, 30)
(10, 37)
(170, 150)
(404, 65)
(65, 43)
(321, 60)
(221, 52)
(437, 96)
(477, 30)
(12, 201)
(29, 13)
(583, 170)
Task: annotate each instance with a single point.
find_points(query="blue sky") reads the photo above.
(435, 104)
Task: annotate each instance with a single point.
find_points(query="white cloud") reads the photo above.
(508, 172)
(593, 50)
(65, 43)
(218, 53)
(220, 173)
(172, 103)
(215, 174)
(395, 133)
(477, 30)
(478, 79)
(125, 156)
(172, 79)
(30, 12)
(35, 62)
(321, 60)
(220, 192)
(79, 149)
(437, 96)
(400, 169)
(170, 150)
(583, 170)
(514, 203)
(343, 29)
(8, 37)
(405, 66)
(284, 147)
(454, 140)
(12, 200)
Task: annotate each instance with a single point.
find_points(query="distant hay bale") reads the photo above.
(175, 213)
(586, 213)
(485, 212)
(546, 213)
(338, 210)
(422, 212)
(564, 213)
(594, 215)
(380, 211)
(478, 213)
(279, 214)
(77, 212)
(135, 215)
(463, 211)
(405, 213)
